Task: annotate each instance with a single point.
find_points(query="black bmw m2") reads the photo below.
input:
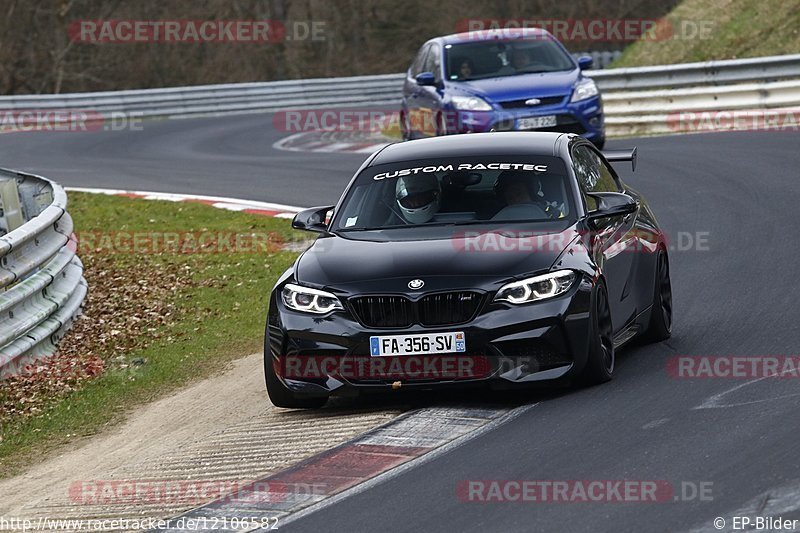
(494, 259)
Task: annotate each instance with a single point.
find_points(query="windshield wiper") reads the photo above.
(533, 71)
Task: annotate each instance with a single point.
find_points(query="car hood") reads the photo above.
(474, 259)
(521, 86)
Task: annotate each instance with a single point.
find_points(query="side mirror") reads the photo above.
(426, 79)
(612, 204)
(585, 62)
(314, 219)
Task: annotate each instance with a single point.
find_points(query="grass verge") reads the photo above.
(159, 315)
(736, 29)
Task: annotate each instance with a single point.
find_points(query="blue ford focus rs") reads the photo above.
(522, 79)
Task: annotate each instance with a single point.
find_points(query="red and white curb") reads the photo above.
(375, 457)
(253, 207)
(330, 142)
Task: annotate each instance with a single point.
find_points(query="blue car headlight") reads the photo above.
(470, 103)
(308, 300)
(586, 88)
(536, 288)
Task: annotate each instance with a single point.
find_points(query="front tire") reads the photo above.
(601, 358)
(660, 326)
(280, 396)
(441, 124)
(405, 127)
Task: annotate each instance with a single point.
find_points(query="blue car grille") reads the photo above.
(516, 104)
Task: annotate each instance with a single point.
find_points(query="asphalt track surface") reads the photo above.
(735, 295)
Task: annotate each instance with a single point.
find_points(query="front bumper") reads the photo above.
(583, 118)
(506, 345)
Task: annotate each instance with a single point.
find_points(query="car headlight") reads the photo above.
(308, 300)
(536, 288)
(470, 103)
(586, 88)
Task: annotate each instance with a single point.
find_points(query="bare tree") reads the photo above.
(39, 53)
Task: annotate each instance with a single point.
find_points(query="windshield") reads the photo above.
(436, 193)
(492, 59)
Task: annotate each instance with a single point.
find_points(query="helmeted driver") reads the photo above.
(418, 197)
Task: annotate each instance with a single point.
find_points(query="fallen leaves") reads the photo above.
(129, 306)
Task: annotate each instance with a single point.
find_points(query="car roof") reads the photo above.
(497, 34)
(472, 144)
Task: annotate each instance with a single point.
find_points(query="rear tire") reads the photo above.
(601, 358)
(660, 326)
(280, 396)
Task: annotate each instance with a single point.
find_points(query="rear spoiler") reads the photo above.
(614, 156)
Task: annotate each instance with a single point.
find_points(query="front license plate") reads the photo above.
(426, 343)
(532, 123)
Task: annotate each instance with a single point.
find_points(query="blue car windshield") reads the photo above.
(494, 59)
(438, 193)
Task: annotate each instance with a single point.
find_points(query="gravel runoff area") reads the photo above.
(218, 432)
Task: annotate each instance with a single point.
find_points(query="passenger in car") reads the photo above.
(513, 188)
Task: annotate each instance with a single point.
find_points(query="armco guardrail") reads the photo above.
(377, 90)
(224, 99)
(705, 73)
(41, 278)
(675, 110)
